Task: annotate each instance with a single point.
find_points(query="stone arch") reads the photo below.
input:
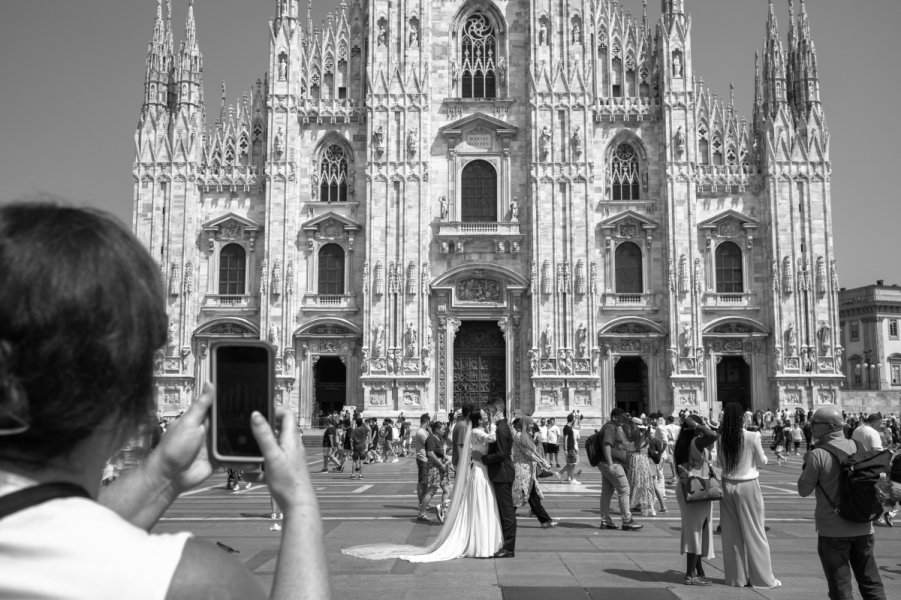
(249, 328)
(753, 325)
(506, 274)
(652, 326)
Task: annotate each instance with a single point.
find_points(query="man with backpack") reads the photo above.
(844, 545)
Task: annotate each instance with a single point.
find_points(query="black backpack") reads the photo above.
(859, 475)
(656, 448)
(594, 449)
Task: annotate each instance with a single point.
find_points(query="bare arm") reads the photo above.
(179, 463)
(760, 458)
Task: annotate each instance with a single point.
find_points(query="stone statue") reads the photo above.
(824, 335)
(278, 144)
(673, 360)
(677, 65)
(171, 339)
(289, 360)
(378, 345)
(364, 362)
(545, 142)
(502, 70)
(413, 36)
(382, 39)
(443, 207)
(453, 70)
(582, 340)
(686, 340)
(282, 67)
(790, 340)
(378, 140)
(542, 34)
(411, 141)
(533, 360)
(514, 211)
(273, 335)
(547, 342)
(577, 34)
(577, 142)
(411, 337)
(679, 142)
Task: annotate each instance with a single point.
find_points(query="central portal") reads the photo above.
(733, 381)
(479, 364)
(631, 385)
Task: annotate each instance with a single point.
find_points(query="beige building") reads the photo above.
(870, 318)
(425, 203)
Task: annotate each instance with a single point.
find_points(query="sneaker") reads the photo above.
(424, 518)
(887, 517)
(697, 581)
(276, 527)
(608, 525)
(575, 482)
(631, 525)
(662, 509)
(394, 460)
(552, 523)
(325, 470)
(273, 516)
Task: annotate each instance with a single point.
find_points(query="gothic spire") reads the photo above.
(189, 72)
(159, 63)
(774, 72)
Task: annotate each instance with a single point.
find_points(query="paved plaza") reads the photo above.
(574, 561)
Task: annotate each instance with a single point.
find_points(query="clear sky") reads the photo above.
(71, 81)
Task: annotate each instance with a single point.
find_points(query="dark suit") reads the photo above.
(500, 471)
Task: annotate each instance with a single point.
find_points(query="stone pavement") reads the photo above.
(576, 560)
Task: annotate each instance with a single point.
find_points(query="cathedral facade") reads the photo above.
(430, 203)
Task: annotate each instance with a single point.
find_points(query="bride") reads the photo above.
(473, 525)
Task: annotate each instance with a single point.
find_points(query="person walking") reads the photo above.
(422, 463)
(844, 547)
(797, 436)
(359, 445)
(746, 551)
(526, 463)
(570, 450)
(779, 441)
(641, 486)
(553, 438)
(613, 472)
(693, 455)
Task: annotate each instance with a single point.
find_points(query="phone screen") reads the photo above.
(242, 380)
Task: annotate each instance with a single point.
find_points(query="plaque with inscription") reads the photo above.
(479, 140)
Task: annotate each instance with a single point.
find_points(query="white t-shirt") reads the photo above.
(542, 434)
(76, 549)
(867, 437)
(553, 434)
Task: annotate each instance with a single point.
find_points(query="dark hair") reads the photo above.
(82, 312)
(617, 412)
(682, 451)
(359, 421)
(424, 419)
(731, 435)
(475, 417)
(570, 418)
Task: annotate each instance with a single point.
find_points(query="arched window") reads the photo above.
(333, 175)
(478, 53)
(625, 174)
(331, 270)
(232, 270)
(629, 271)
(729, 269)
(479, 199)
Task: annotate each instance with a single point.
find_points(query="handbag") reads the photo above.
(700, 489)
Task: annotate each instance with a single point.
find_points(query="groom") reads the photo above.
(500, 471)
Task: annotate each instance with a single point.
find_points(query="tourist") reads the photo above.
(797, 436)
(693, 455)
(746, 551)
(867, 434)
(779, 441)
(570, 450)
(526, 463)
(329, 445)
(82, 314)
(542, 437)
(553, 438)
(437, 471)
(422, 463)
(359, 438)
(458, 435)
(613, 472)
(843, 546)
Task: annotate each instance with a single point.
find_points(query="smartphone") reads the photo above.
(244, 375)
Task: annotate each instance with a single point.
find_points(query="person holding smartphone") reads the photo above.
(82, 315)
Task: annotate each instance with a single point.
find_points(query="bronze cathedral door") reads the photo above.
(479, 364)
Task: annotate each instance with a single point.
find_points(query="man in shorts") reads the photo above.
(570, 450)
(422, 463)
(553, 439)
(360, 444)
(329, 446)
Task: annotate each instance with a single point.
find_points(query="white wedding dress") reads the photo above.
(473, 525)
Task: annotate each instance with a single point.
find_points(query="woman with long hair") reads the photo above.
(692, 454)
(526, 465)
(746, 552)
(641, 483)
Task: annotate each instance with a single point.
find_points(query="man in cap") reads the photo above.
(843, 546)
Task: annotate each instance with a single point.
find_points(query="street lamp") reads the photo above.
(869, 367)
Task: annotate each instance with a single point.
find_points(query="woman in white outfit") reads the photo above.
(473, 525)
(746, 551)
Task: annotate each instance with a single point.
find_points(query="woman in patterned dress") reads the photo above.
(527, 463)
(641, 483)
